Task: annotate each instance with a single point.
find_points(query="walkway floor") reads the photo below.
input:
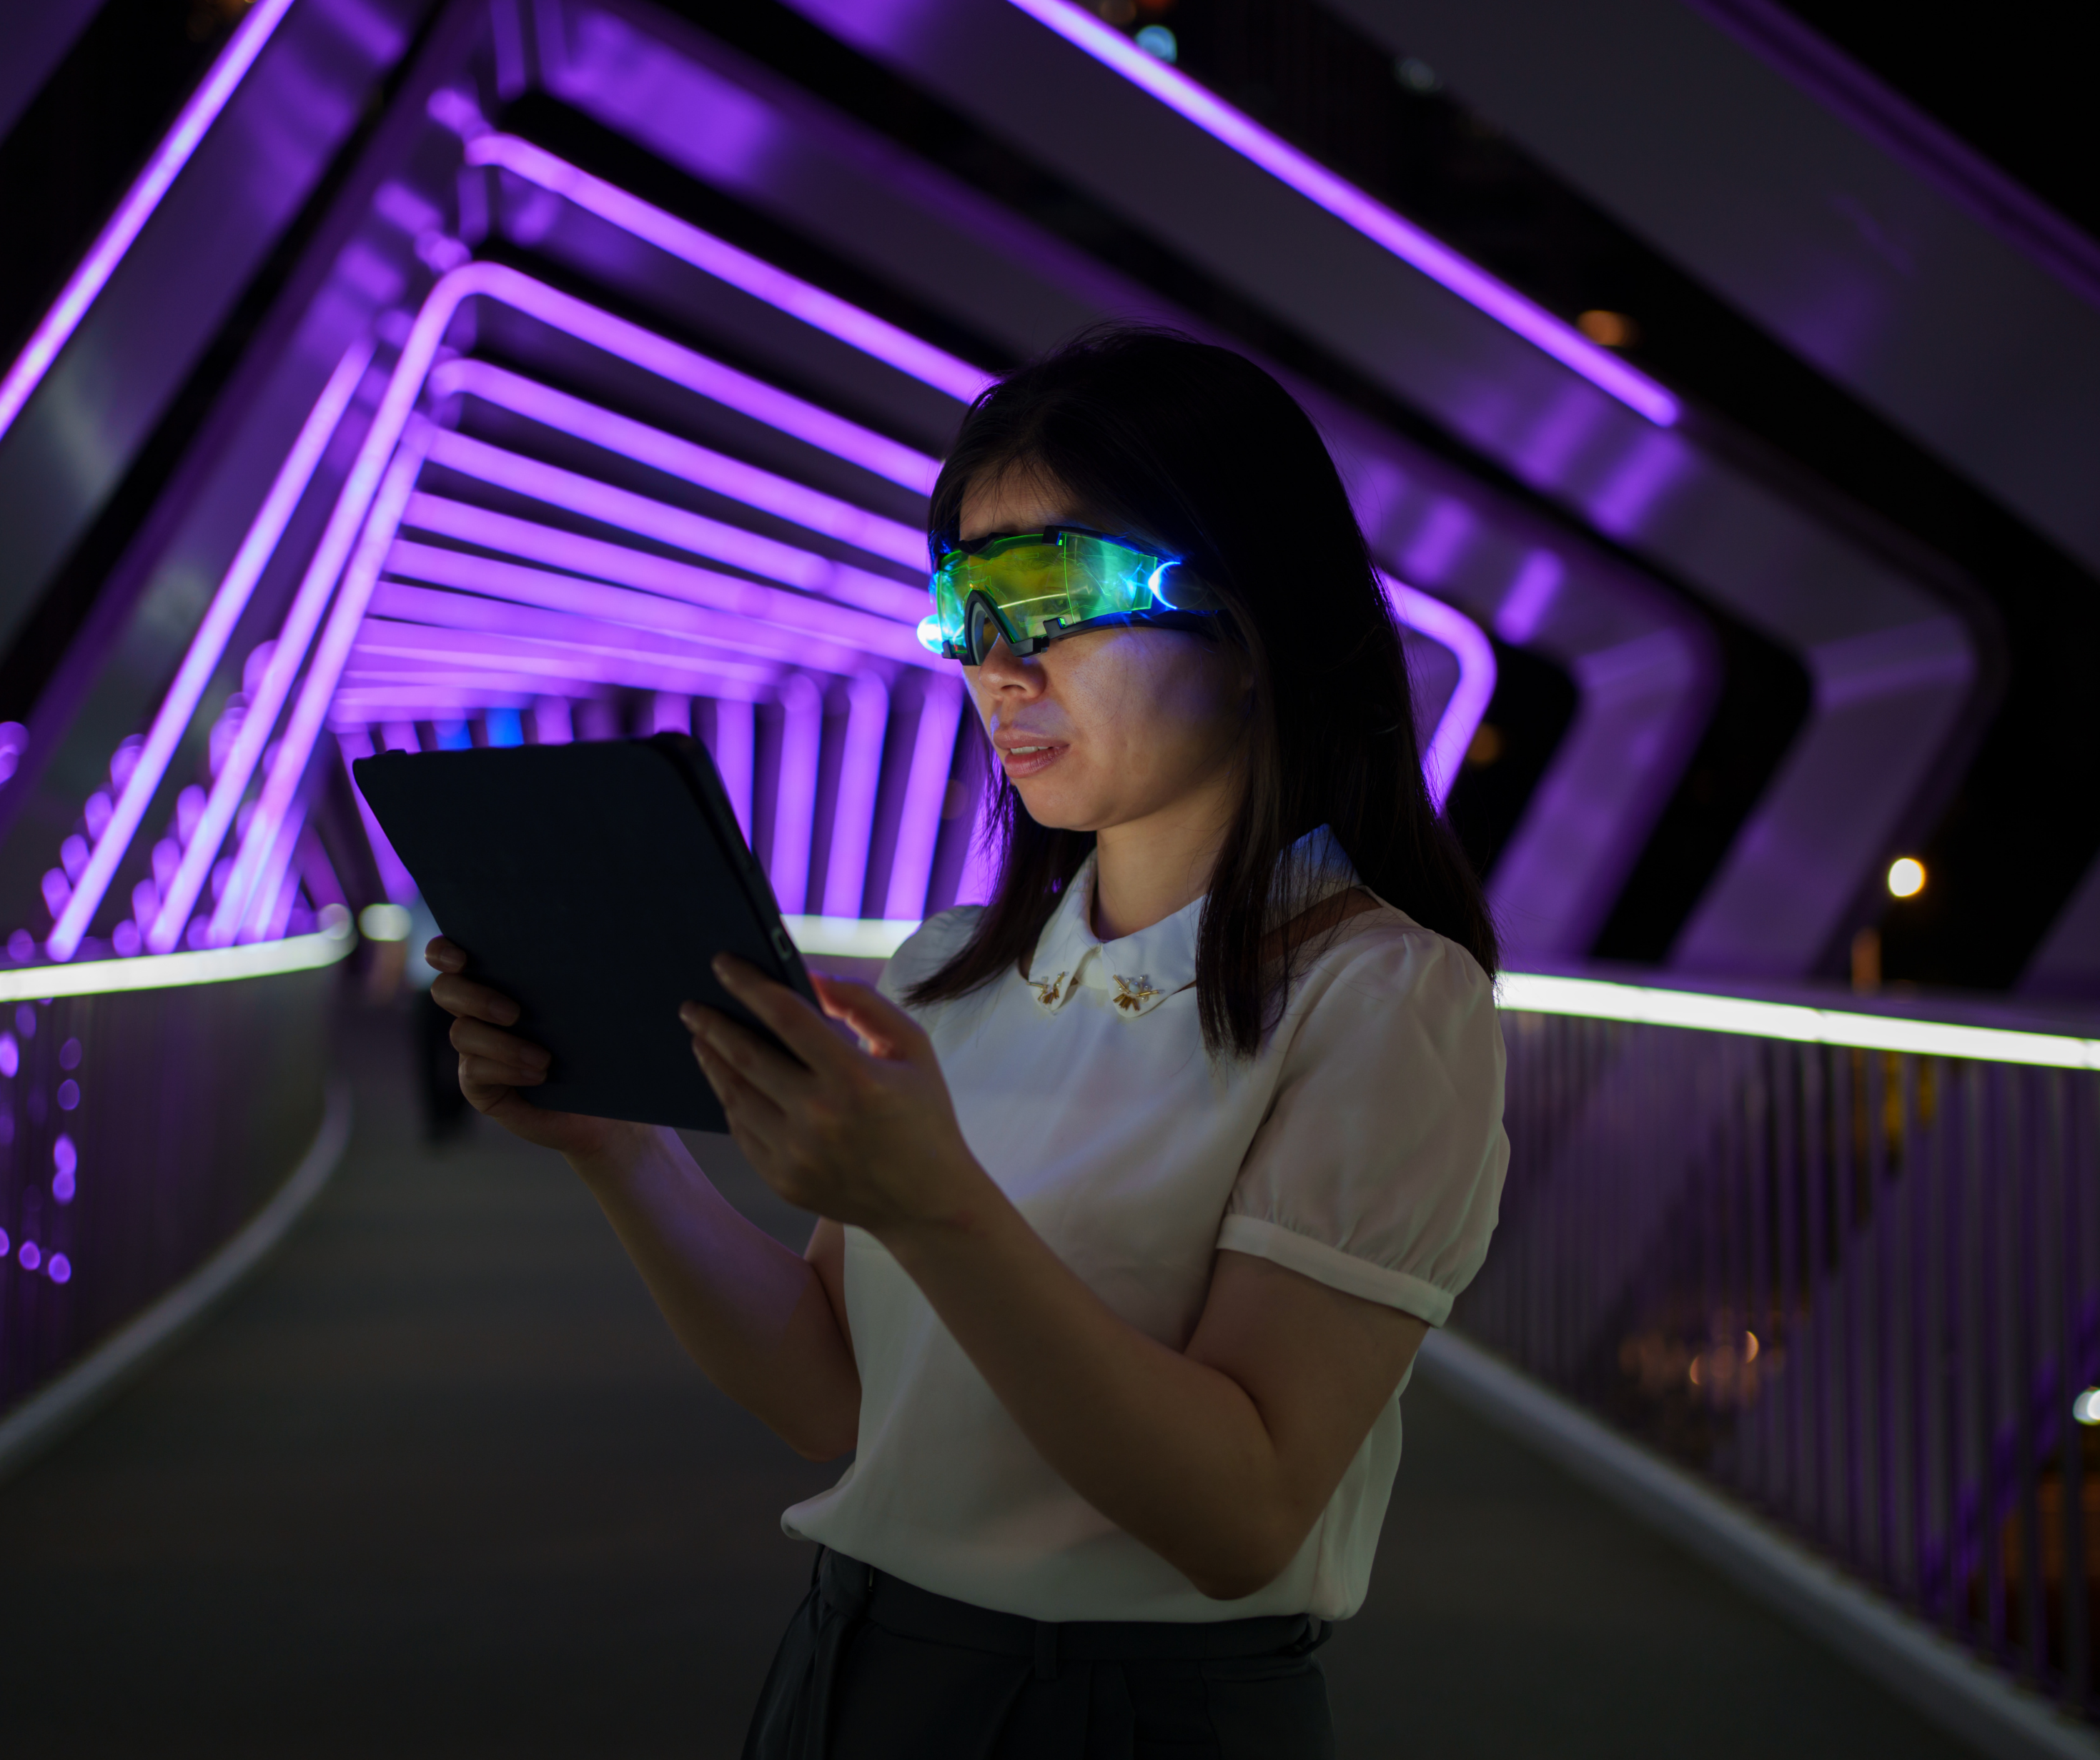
(437, 1483)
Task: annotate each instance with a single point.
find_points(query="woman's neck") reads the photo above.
(1147, 869)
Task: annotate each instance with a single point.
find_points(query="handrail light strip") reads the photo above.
(169, 971)
(145, 195)
(1599, 999)
(1486, 294)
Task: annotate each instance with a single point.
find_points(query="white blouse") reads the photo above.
(1362, 1148)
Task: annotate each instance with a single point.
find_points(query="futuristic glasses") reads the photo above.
(1029, 588)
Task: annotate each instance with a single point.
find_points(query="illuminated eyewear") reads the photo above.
(1030, 589)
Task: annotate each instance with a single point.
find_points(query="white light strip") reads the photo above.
(1598, 999)
(168, 971)
(1595, 999)
(851, 937)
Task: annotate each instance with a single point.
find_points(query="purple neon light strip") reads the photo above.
(808, 508)
(1476, 654)
(267, 897)
(308, 603)
(521, 600)
(397, 653)
(860, 781)
(683, 365)
(794, 791)
(1376, 222)
(280, 919)
(876, 454)
(283, 780)
(648, 573)
(694, 533)
(925, 793)
(786, 292)
(735, 749)
(206, 647)
(718, 645)
(354, 742)
(412, 370)
(146, 194)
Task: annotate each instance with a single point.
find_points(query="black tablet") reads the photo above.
(595, 883)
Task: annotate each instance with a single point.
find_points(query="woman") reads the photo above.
(1144, 1182)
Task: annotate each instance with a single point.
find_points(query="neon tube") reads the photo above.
(850, 937)
(206, 647)
(786, 292)
(696, 636)
(808, 508)
(354, 743)
(1595, 999)
(694, 533)
(401, 654)
(644, 571)
(150, 187)
(735, 749)
(411, 371)
(285, 774)
(787, 414)
(1461, 719)
(166, 972)
(860, 784)
(876, 454)
(925, 793)
(269, 896)
(345, 524)
(794, 790)
(1354, 208)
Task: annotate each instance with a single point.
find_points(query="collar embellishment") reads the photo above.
(1049, 992)
(1131, 994)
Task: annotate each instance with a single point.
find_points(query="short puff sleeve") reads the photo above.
(1378, 1169)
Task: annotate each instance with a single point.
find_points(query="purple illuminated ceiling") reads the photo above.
(515, 583)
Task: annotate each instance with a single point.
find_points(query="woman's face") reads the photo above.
(1109, 727)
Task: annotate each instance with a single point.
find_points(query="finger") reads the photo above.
(478, 1039)
(754, 1119)
(444, 956)
(464, 997)
(480, 1075)
(883, 1029)
(799, 1026)
(778, 1076)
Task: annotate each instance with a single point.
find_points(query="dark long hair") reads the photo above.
(1196, 448)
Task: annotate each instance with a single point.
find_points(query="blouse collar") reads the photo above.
(1138, 972)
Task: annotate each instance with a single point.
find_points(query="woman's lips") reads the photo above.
(1030, 760)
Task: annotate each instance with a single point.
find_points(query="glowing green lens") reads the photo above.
(1036, 587)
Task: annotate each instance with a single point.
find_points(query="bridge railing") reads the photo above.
(1845, 1264)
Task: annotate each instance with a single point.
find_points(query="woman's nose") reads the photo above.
(1002, 669)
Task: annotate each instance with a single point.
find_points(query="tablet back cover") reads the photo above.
(589, 882)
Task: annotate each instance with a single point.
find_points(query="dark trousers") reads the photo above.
(872, 1669)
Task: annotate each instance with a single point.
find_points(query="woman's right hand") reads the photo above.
(497, 1067)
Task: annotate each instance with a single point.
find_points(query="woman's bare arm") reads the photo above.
(756, 1317)
(760, 1321)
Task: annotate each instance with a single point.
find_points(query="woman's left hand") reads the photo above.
(864, 1134)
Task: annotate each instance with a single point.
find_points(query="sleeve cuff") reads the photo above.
(1337, 1270)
